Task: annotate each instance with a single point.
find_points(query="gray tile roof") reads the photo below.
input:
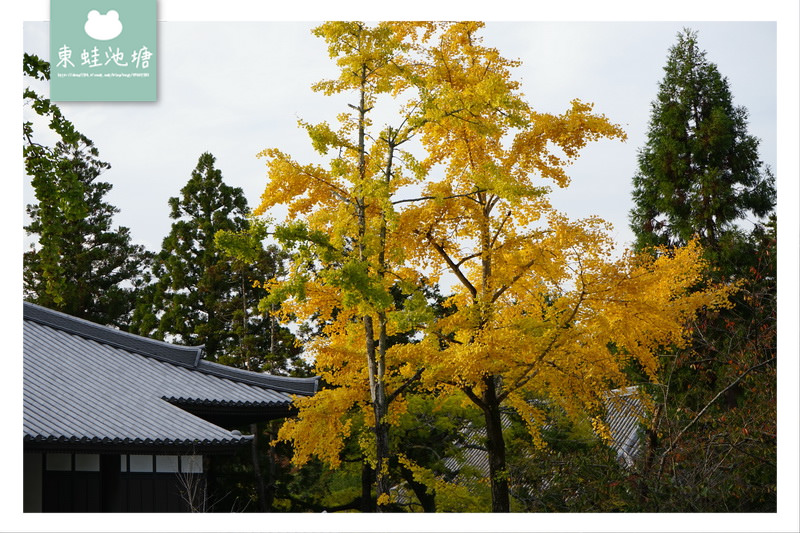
(92, 385)
(624, 414)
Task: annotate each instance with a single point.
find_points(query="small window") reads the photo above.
(192, 464)
(123, 463)
(59, 462)
(141, 463)
(87, 462)
(166, 463)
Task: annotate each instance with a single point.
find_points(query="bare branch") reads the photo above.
(474, 397)
(704, 409)
(499, 229)
(467, 258)
(466, 195)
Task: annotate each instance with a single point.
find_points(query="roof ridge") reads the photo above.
(294, 385)
(172, 353)
(184, 356)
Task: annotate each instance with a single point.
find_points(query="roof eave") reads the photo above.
(108, 446)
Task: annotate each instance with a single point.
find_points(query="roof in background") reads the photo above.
(624, 411)
(86, 384)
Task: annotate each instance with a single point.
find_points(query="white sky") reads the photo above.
(236, 88)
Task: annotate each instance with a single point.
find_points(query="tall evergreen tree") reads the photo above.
(79, 263)
(192, 295)
(699, 171)
(204, 295)
(712, 443)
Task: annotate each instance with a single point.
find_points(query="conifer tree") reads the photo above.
(699, 171)
(80, 264)
(203, 295)
(714, 431)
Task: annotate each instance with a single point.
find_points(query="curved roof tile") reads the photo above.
(85, 383)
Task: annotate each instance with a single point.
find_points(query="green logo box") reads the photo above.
(103, 50)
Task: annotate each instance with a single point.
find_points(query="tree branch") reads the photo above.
(467, 258)
(340, 193)
(704, 409)
(467, 195)
(444, 338)
(504, 288)
(527, 375)
(404, 386)
(499, 229)
(474, 397)
(457, 271)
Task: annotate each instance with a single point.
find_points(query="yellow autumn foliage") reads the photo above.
(543, 306)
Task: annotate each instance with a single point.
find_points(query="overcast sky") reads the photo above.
(234, 89)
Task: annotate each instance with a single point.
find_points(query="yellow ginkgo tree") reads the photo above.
(339, 221)
(545, 312)
(543, 309)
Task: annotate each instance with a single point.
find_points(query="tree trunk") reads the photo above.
(272, 469)
(496, 447)
(379, 407)
(375, 354)
(384, 483)
(260, 486)
(426, 499)
(495, 444)
(367, 479)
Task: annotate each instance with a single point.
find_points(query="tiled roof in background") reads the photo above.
(624, 413)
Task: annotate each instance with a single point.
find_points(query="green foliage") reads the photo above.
(699, 171)
(432, 441)
(712, 442)
(205, 291)
(190, 299)
(575, 472)
(79, 263)
(234, 484)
